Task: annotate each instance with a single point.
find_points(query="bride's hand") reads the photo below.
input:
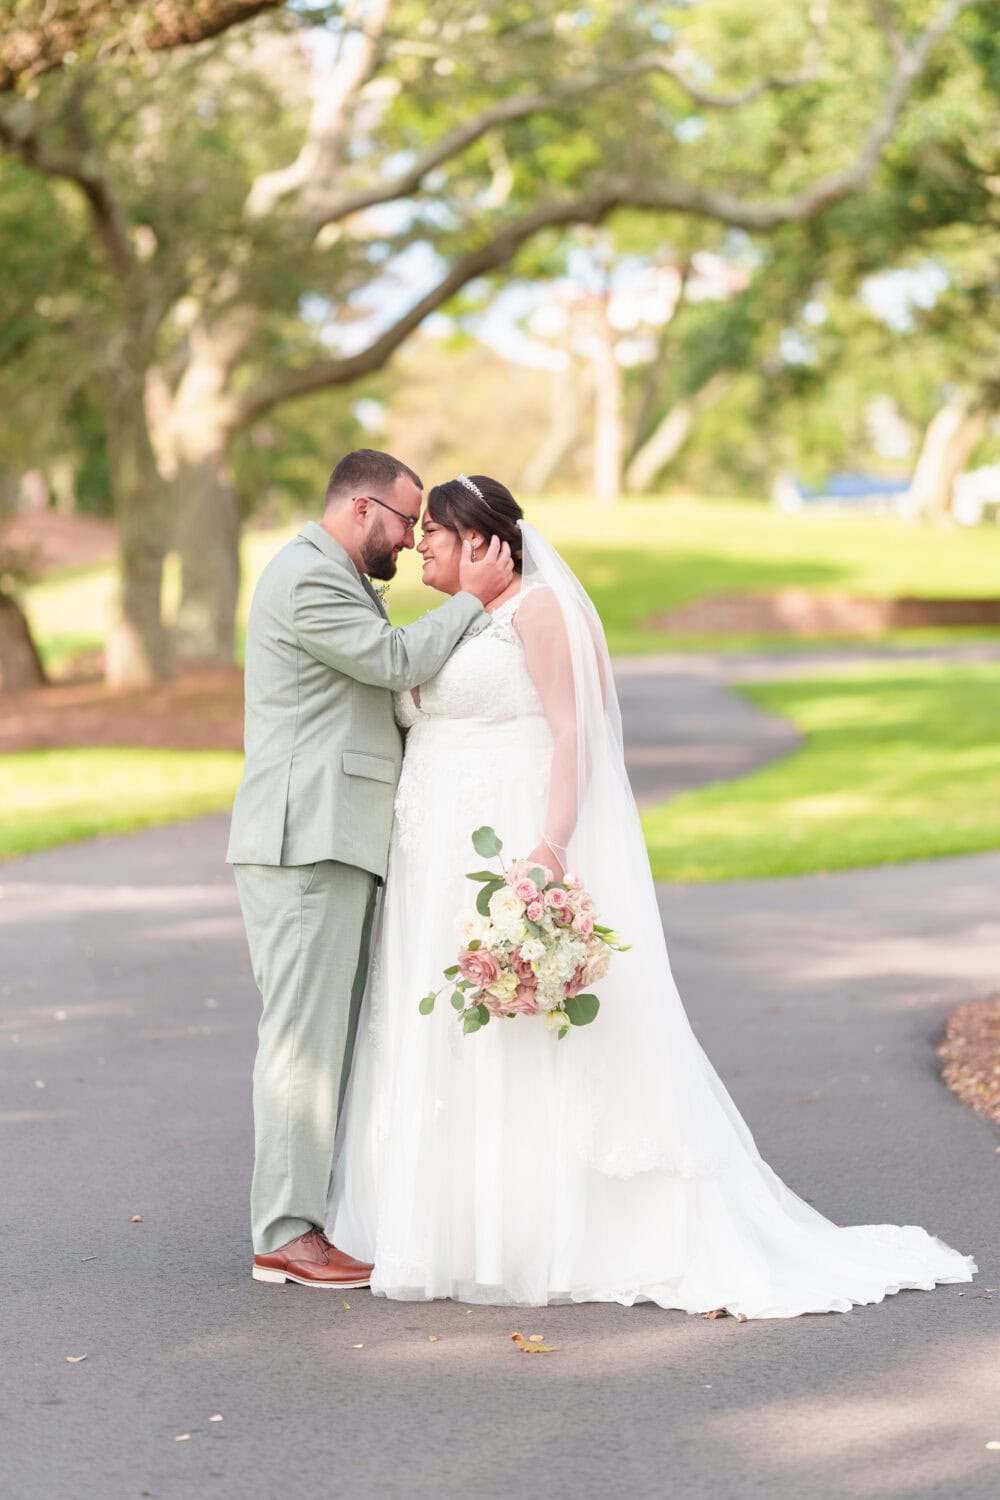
(544, 856)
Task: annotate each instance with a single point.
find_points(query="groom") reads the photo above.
(311, 824)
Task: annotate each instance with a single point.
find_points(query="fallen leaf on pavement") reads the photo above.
(432, 1338)
(75, 1359)
(526, 1348)
(136, 1219)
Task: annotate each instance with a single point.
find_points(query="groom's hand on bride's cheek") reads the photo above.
(490, 574)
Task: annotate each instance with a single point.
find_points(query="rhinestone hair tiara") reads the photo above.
(464, 479)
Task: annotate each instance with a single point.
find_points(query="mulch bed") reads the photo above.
(47, 540)
(198, 710)
(800, 612)
(970, 1056)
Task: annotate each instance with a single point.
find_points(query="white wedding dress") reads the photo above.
(513, 1167)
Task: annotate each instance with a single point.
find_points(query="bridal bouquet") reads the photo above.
(530, 947)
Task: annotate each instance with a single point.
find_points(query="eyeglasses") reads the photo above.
(411, 521)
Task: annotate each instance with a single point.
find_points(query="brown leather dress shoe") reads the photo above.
(312, 1261)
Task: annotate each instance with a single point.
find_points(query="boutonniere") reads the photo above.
(381, 590)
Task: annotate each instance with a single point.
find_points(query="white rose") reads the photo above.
(597, 965)
(532, 949)
(507, 911)
(555, 1019)
(470, 927)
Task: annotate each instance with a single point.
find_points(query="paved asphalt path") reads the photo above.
(127, 1019)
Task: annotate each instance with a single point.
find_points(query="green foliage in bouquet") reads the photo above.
(506, 982)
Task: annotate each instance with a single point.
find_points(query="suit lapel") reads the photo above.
(324, 542)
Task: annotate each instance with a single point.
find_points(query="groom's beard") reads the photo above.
(376, 554)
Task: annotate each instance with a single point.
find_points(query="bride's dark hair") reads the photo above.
(493, 512)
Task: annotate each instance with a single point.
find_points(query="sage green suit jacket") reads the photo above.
(323, 751)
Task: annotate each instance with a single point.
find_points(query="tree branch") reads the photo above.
(19, 134)
(882, 15)
(519, 107)
(763, 216)
(496, 252)
(593, 208)
(318, 158)
(47, 32)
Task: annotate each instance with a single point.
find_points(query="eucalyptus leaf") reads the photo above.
(458, 1000)
(471, 1021)
(486, 843)
(538, 876)
(427, 1004)
(533, 927)
(581, 1009)
(481, 875)
(484, 897)
(474, 945)
(484, 1015)
(451, 972)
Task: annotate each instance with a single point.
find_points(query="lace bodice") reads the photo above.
(485, 680)
(479, 729)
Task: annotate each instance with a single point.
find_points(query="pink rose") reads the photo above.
(575, 985)
(557, 899)
(583, 924)
(479, 967)
(582, 903)
(518, 869)
(526, 890)
(521, 965)
(523, 1002)
(572, 882)
(535, 911)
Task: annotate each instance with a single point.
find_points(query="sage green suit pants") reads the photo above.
(309, 931)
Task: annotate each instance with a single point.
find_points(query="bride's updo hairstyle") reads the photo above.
(475, 502)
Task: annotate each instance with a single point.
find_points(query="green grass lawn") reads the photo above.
(637, 559)
(898, 764)
(59, 796)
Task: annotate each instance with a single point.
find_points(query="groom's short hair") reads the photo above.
(363, 470)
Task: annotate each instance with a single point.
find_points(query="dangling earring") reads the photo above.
(473, 552)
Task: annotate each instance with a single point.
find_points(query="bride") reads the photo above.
(511, 1166)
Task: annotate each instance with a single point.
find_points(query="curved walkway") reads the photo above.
(684, 729)
(126, 1037)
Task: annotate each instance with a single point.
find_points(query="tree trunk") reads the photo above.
(609, 421)
(670, 436)
(567, 389)
(952, 434)
(20, 663)
(138, 646)
(191, 429)
(208, 540)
